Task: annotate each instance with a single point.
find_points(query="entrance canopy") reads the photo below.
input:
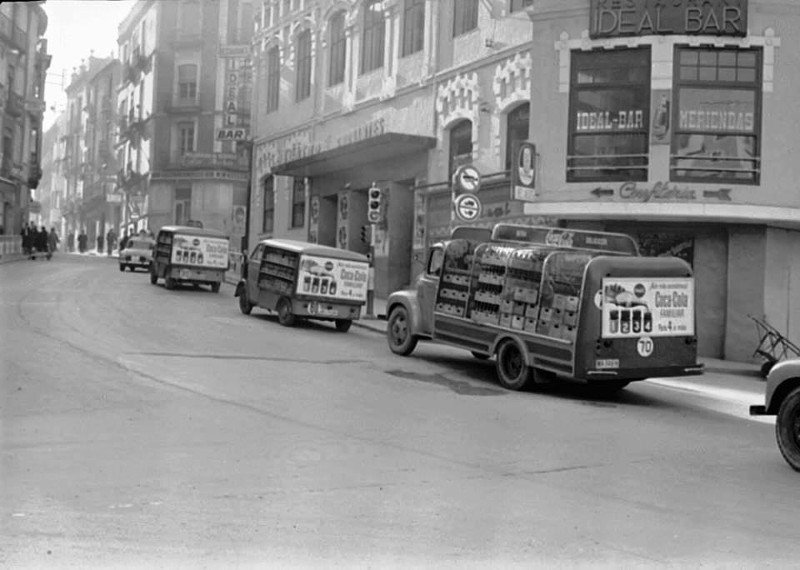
(387, 146)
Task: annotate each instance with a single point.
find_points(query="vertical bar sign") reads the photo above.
(232, 81)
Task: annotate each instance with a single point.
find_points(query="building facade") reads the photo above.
(672, 122)
(184, 104)
(53, 185)
(23, 64)
(394, 94)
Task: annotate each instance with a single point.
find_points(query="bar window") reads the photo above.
(716, 116)
(460, 145)
(338, 43)
(298, 203)
(303, 55)
(187, 82)
(373, 35)
(465, 16)
(413, 26)
(268, 190)
(273, 79)
(609, 112)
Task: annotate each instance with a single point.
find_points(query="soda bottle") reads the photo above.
(323, 289)
(613, 323)
(315, 285)
(306, 283)
(648, 322)
(625, 322)
(332, 288)
(637, 321)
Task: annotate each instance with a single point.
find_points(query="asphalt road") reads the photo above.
(140, 426)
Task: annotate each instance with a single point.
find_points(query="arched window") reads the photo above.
(517, 129)
(338, 46)
(273, 78)
(373, 36)
(303, 55)
(460, 144)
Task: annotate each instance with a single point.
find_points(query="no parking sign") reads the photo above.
(468, 207)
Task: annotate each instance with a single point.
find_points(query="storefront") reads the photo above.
(668, 122)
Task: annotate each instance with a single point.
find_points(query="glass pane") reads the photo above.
(747, 59)
(716, 157)
(689, 57)
(708, 58)
(727, 58)
(688, 73)
(748, 75)
(716, 110)
(727, 74)
(622, 109)
(708, 73)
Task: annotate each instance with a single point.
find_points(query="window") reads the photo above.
(273, 78)
(413, 26)
(183, 205)
(465, 16)
(185, 138)
(519, 5)
(716, 135)
(609, 115)
(517, 126)
(187, 82)
(338, 43)
(435, 261)
(299, 203)
(303, 55)
(190, 18)
(269, 205)
(460, 145)
(373, 36)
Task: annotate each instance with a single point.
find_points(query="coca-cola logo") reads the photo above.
(559, 238)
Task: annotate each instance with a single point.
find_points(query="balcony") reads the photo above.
(142, 63)
(128, 179)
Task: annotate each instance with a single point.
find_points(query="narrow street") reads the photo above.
(140, 426)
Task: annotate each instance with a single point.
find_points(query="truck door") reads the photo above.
(427, 285)
(252, 269)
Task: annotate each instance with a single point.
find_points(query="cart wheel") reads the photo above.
(512, 370)
(153, 276)
(245, 306)
(285, 315)
(766, 367)
(481, 355)
(343, 325)
(398, 333)
(787, 429)
(215, 287)
(169, 283)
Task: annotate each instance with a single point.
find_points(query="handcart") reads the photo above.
(772, 345)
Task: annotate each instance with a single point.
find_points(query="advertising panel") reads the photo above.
(200, 251)
(657, 307)
(333, 278)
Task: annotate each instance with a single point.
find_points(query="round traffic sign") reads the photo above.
(468, 179)
(468, 207)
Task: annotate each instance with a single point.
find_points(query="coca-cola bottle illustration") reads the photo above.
(661, 119)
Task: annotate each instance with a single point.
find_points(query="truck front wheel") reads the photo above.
(285, 315)
(787, 429)
(513, 371)
(398, 333)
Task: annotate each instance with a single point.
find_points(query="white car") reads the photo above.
(138, 252)
(782, 399)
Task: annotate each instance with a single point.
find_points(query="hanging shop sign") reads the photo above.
(635, 307)
(615, 18)
(661, 192)
(523, 172)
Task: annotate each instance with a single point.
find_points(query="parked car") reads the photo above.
(138, 252)
(782, 399)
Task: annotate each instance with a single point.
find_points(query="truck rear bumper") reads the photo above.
(642, 373)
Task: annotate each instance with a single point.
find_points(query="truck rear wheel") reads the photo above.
(169, 283)
(787, 429)
(398, 332)
(215, 287)
(343, 325)
(513, 371)
(285, 315)
(245, 306)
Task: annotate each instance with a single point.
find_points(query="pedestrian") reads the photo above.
(27, 239)
(83, 240)
(42, 244)
(111, 240)
(99, 243)
(52, 242)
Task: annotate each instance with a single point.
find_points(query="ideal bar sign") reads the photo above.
(614, 18)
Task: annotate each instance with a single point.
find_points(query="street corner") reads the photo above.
(375, 324)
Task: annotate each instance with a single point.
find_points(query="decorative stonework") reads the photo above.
(662, 53)
(512, 80)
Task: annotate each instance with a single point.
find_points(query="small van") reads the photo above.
(185, 254)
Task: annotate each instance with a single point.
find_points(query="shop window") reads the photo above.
(667, 245)
(298, 203)
(609, 111)
(303, 55)
(269, 205)
(373, 36)
(413, 26)
(187, 82)
(519, 5)
(460, 145)
(273, 78)
(183, 206)
(185, 138)
(338, 43)
(465, 16)
(716, 118)
(517, 129)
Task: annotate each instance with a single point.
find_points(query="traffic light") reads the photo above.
(366, 234)
(374, 199)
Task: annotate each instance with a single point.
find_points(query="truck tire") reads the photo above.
(343, 325)
(153, 276)
(122, 268)
(215, 287)
(513, 372)
(285, 315)
(398, 332)
(169, 283)
(245, 306)
(787, 429)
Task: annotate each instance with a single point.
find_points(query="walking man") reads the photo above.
(111, 240)
(52, 242)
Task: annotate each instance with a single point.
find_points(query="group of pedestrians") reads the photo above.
(38, 240)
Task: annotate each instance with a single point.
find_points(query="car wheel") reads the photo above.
(215, 287)
(513, 371)
(122, 268)
(245, 306)
(398, 333)
(343, 325)
(169, 283)
(787, 429)
(285, 315)
(481, 355)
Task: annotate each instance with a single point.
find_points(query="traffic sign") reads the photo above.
(468, 207)
(467, 179)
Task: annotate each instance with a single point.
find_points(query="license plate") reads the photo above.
(189, 274)
(606, 363)
(326, 312)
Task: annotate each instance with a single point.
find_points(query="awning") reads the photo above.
(388, 146)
